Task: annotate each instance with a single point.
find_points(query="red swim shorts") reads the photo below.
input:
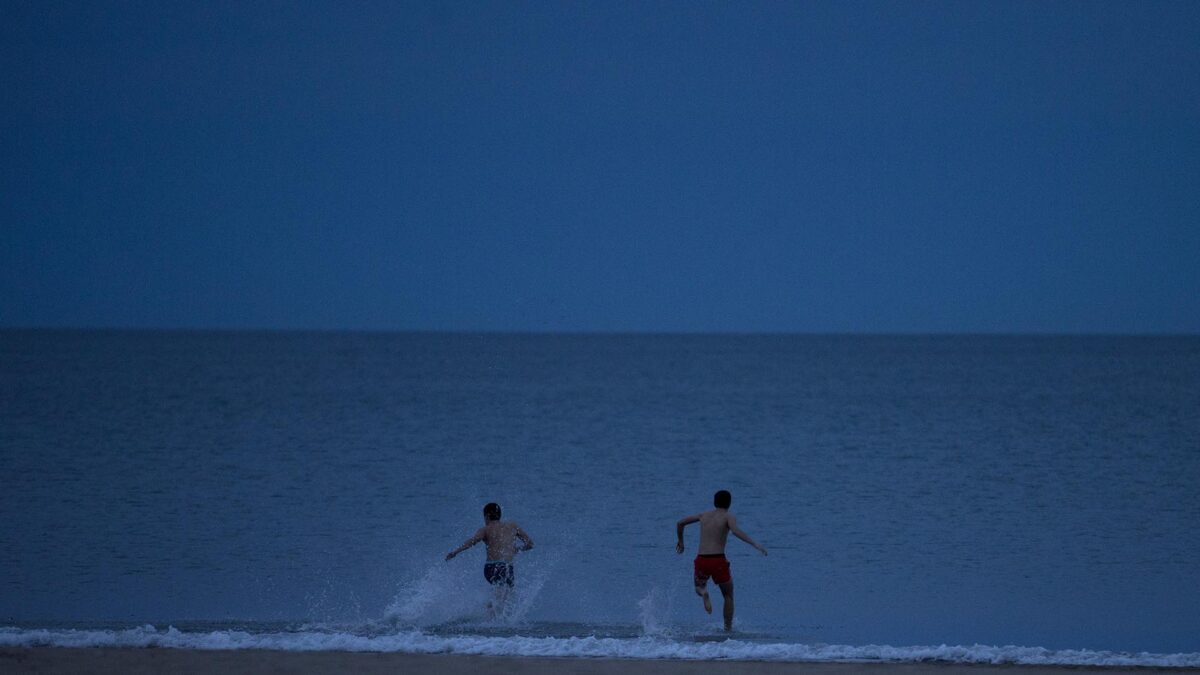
(715, 566)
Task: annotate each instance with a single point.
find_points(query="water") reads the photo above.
(1015, 499)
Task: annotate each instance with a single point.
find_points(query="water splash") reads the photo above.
(441, 595)
(451, 594)
(653, 609)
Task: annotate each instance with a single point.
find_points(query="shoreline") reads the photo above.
(135, 660)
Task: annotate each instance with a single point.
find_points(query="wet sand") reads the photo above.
(104, 661)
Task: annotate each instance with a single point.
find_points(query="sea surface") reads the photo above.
(964, 498)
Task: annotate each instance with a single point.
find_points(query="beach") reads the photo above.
(233, 662)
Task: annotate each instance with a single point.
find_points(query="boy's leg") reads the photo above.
(727, 591)
(500, 595)
(702, 591)
(700, 578)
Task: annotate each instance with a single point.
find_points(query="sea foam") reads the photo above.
(647, 647)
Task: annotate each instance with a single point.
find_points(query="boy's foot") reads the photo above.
(707, 602)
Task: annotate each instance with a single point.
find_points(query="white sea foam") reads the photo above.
(647, 647)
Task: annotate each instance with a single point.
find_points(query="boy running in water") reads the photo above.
(715, 527)
(504, 540)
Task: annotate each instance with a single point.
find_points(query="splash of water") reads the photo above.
(447, 594)
(441, 595)
(653, 609)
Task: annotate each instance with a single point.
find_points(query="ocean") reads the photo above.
(1010, 499)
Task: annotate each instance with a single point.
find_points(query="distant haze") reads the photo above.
(602, 166)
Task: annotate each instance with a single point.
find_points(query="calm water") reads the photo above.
(1036, 491)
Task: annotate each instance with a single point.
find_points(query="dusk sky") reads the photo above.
(871, 167)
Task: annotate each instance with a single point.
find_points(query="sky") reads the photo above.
(845, 167)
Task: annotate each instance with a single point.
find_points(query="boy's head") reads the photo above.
(722, 499)
(491, 512)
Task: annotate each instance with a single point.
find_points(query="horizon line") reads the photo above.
(585, 333)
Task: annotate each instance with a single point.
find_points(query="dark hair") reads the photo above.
(722, 499)
(491, 511)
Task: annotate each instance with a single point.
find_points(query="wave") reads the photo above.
(642, 647)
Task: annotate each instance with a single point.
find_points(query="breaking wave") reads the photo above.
(636, 647)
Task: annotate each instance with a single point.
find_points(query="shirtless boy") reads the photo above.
(715, 527)
(504, 540)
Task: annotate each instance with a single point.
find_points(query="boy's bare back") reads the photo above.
(501, 538)
(504, 539)
(715, 526)
(714, 531)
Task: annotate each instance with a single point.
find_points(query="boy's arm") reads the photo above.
(475, 539)
(737, 532)
(525, 539)
(683, 522)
